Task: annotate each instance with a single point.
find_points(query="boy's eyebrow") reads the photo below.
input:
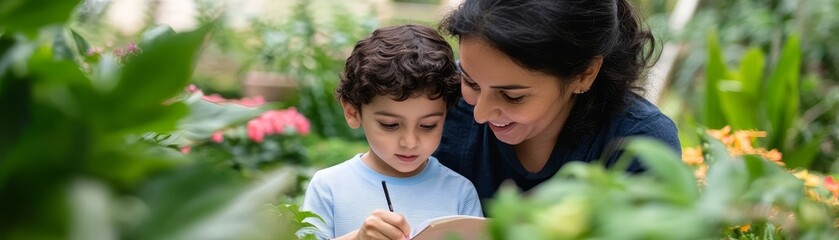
(503, 87)
(387, 114)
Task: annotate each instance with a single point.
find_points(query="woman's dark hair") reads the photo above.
(400, 62)
(561, 38)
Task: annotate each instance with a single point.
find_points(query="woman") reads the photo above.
(546, 82)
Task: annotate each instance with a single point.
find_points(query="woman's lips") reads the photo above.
(499, 128)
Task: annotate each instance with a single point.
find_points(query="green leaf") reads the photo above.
(156, 33)
(161, 71)
(803, 155)
(60, 47)
(138, 161)
(688, 138)
(205, 118)
(293, 220)
(663, 162)
(724, 182)
(161, 118)
(105, 74)
(751, 73)
(508, 208)
(219, 205)
(738, 92)
(81, 44)
(782, 93)
(714, 71)
(156, 75)
(739, 108)
(28, 16)
(239, 218)
(91, 210)
(770, 183)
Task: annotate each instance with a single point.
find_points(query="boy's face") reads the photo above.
(402, 135)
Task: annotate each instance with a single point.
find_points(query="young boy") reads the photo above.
(397, 86)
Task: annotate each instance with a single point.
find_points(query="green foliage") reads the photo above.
(75, 163)
(28, 16)
(714, 71)
(295, 218)
(744, 99)
(741, 29)
(204, 119)
(228, 132)
(587, 201)
(313, 54)
(326, 152)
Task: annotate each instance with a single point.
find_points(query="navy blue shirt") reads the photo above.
(472, 149)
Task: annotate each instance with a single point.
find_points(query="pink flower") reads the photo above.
(218, 137)
(280, 121)
(256, 130)
(300, 122)
(132, 47)
(93, 51)
(193, 89)
(252, 102)
(268, 119)
(186, 149)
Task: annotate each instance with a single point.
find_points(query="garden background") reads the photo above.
(204, 119)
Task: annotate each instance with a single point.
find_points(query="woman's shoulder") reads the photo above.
(644, 118)
(640, 108)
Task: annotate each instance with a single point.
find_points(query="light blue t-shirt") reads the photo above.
(345, 194)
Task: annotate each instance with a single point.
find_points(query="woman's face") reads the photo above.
(518, 104)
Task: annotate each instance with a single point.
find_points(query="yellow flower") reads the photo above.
(810, 180)
(771, 155)
(745, 228)
(693, 156)
(723, 135)
(700, 173)
(815, 196)
(742, 143)
(739, 143)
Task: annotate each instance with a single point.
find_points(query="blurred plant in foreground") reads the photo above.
(743, 193)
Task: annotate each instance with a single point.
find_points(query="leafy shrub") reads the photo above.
(742, 193)
(76, 162)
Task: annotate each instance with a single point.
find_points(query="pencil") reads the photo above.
(387, 196)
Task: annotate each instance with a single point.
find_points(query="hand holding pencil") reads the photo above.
(382, 224)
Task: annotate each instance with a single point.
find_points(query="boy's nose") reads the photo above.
(409, 140)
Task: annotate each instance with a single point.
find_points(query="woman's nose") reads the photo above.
(485, 109)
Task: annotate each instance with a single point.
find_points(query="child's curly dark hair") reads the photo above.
(400, 62)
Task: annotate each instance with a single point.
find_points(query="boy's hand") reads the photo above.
(384, 225)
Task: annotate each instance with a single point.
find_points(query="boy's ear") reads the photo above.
(352, 115)
(588, 76)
